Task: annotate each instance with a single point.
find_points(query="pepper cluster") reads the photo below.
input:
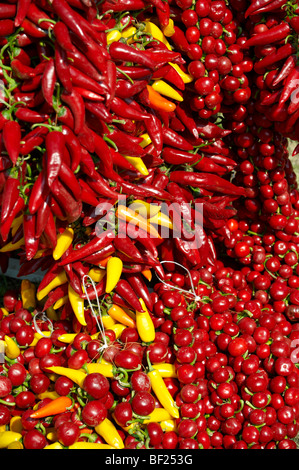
(123, 124)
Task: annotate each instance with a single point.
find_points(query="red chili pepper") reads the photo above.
(50, 231)
(99, 111)
(38, 192)
(73, 145)
(270, 7)
(125, 245)
(207, 181)
(173, 139)
(122, 5)
(256, 5)
(68, 17)
(6, 225)
(75, 101)
(94, 245)
(95, 258)
(70, 206)
(290, 86)
(49, 81)
(135, 73)
(294, 22)
(42, 217)
(7, 27)
(7, 11)
(31, 241)
(125, 143)
(34, 265)
(69, 179)
(80, 61)
(139, 236)
(282, 52)
(30, 115)
(140, 287)
(273, 35)
(179, 39)
(33, 30)
(55, 295)
(11, 135)
(178, 157)
(155, 131)
(55, 145)
(62, 68)
(82, 80)
(285, 70)
(62, 36)
(32, 84)
(36, 15)
(22, 71)
(123, 52)
(124, 289)
(22, 9)
(126, 89)
(87, 194)
(94, 52)
(186, 118)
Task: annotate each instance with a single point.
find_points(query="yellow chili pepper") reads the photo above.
(28, 294)
(97, 274)
(77, 304)
(12, 350)
(108, 431)
(45, 333)
(90, 445)
(166, 370)
(158, 415)
(15, 424)
(4, 312)
(67, 337)
(166, 90)
(51, 434)
(118, 314)
(104, 369)
(60, 302)
(113, 273)
(17, 222)
(162, 393)
(138, 164)
(15, 445)
(146, 140)
(144, 324)
(77, 376)
(48, 394)
(3, 428)
(161, 219)
(39, 253)
(118, 328)
(186, 77)
(64, 241)
(7, 437)
(58, 280)
(13, 246)
(129, 32)
(146, 209)
(54, 446)
(158, 101)
(156, 33)
(52, 314)
(168, 30)
(127, 214)
(168, 425)
(113, 36)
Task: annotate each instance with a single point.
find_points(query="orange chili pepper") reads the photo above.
(127, 214)
(147, 274)
(56, 406)
(158, 101)
(118, 314)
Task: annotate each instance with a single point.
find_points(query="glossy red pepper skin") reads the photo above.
(48, 81)
(78, 60)
(178, 157)
(38, 193)
(123, 244)
(140, 287)
(55, 145)
(22, 9)
(256, 5)
(31, 240)
(42, 217)
(62, 68)
(124, 289)
(67, 16)
(55, 295)
(123, 52)
(62, 36)
(207, 181)
(11, 135)
(287, 67)
(69, 179)
(76, 104)
(290, 85)
(273, 35)
(93, 246)
(10, 196)
(6, 225)
(282, 52)
(21, 70)
(71, 207)
(7, 11)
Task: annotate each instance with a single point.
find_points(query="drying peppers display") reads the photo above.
(145, 174)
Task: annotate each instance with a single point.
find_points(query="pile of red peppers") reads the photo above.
(145, 173)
